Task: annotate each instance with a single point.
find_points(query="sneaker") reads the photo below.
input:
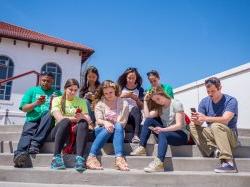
(139, 151)
(216, 153)
(57, 162)
(33, 150)
(22, 160)
(155, 166)
(80, 164)
(226, 167)
(135, 139)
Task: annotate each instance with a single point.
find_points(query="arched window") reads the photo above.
(6, 71)
(56, 71)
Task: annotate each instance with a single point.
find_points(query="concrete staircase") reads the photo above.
(184, 166)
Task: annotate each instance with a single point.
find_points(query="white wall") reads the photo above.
(235, 82)
(33, 58)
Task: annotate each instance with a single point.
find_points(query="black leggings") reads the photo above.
(60, 134)
(135, 118)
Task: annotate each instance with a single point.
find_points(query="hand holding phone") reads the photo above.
(151, 128)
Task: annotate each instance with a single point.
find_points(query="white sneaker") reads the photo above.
(155, 166)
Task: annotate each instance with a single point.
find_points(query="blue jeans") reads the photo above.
(102, 136)
(175, 138)
(34, 133)
(145, 132)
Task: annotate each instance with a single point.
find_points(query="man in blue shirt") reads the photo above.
(220, 112)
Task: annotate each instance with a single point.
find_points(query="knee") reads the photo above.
(64, 123)
(148, 122)
(83, 125)
(136, 110)
(218, 127)
(162, 135)
(119, 127)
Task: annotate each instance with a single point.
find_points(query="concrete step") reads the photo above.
(130, 178)
(244, 132)
(24, 184)
(15, 136)
(11, 128)
(10, 136)
(137, 162)
(173, 151)
(18, 128)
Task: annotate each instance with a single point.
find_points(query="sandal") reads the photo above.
(93, 163)
(121, 164)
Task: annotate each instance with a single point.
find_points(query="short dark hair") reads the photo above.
(154, 73)
(46, 73)
(213, 81)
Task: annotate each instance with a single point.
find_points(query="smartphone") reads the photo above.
(193, 110)
(151, 128)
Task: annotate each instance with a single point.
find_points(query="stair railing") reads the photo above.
(21, 75)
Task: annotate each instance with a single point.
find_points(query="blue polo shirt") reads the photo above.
(227, 103)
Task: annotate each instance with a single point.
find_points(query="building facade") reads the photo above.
(23, 50)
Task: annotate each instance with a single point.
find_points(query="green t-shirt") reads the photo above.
(31, 95)
(70, 106)
(166, 88)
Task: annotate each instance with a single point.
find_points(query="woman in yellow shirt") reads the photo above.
(68, 109)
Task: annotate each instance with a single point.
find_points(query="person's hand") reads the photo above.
(73, 119)
(88, 95)
(79, 116)
(41, 100)
(198, 118)
(87, 118)
(125, 95)
(134, 97)
(147, 96)
(157, 130)
(109, 126)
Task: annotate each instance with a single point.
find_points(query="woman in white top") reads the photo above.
(111, 113)
(130, 83)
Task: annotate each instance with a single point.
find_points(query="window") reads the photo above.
(6, 71)
(57, 72)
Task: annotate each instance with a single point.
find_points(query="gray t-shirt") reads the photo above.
(169, 113)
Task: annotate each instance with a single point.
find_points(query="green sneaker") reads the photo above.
(57, 162)
(80, 164)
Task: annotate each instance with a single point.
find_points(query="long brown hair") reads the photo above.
(69, 82)
(153, 105)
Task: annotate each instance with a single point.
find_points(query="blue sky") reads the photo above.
(185, 40)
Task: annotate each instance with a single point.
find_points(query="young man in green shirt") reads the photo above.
(36, 104)
(154, 79)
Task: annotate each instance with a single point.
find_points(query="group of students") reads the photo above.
(105, 108)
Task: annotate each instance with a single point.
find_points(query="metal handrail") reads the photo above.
(22, 75)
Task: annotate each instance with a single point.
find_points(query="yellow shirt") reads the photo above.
(70, 106)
